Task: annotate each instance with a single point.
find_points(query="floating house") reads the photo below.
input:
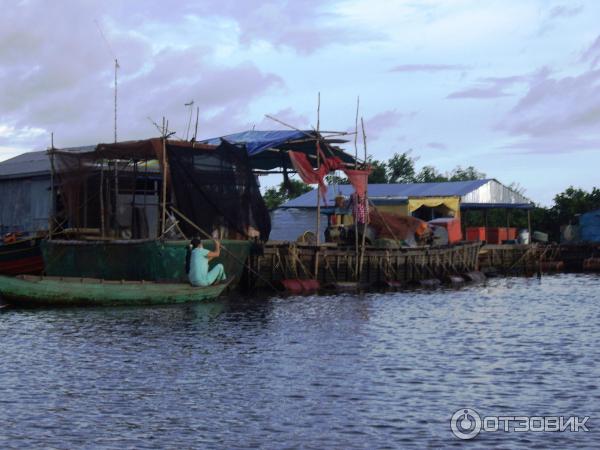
(25, 191)
(25, 180)
(426, 201)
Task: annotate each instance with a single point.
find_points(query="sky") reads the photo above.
(511, 87)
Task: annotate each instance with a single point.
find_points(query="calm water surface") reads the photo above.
(372, 371)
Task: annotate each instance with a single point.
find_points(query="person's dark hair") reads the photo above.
(188, 256)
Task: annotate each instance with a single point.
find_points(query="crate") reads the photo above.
(476, 234)
(496, 235)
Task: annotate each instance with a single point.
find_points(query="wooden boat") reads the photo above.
(22, 256)
(141, 259)
(31, 291)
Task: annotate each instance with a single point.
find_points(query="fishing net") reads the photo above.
(117, 189)
(216, 189)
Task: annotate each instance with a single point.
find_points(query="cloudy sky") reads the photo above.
(511, 87)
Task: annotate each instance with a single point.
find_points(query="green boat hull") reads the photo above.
(150, 260)
(34, 291)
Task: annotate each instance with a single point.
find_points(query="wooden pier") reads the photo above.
(330, 264)
(536, 258)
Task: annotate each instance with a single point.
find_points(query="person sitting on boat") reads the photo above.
(197, 265)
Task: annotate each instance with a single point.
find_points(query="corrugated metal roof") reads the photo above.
(399, 191)
(32, 163)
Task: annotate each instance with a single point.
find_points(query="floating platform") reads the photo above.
(517, 259)
(342, 266)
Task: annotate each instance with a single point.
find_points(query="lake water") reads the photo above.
(371, 371)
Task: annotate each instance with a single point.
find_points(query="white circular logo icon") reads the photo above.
(465, 423)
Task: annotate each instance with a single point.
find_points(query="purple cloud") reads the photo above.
(592, 53)
(437, 145)
(556, 114)
(286, 115)
(427, 68)
(380, 123)
(564, 11)
(64, 84)
(489, 87)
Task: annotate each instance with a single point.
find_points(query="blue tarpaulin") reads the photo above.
(589, 226)
(259, 141)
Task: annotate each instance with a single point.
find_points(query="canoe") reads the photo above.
(31, 291)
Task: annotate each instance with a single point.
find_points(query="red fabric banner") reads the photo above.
(315, 176)
(358, 179)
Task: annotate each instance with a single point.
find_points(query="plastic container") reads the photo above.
(524, 237)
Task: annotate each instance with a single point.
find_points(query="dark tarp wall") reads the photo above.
(216, 188)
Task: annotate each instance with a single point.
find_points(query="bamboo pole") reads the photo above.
(356, 134)
(364, 236)
(52, 199)
(318, 166)
(529, 225)
(196, 128)
(164, 178)
(135, 177)
(102, 227)
(164, 186)
(116, 197)
(356, 167)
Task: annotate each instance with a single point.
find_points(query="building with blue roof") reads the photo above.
(423, 200)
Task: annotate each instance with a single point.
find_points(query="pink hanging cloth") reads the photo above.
(359, 179)
(315, 176)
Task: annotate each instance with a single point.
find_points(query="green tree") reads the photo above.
(574, 201)
(429, 174)
(278, 195)
(466, 174)
(378, 173)
(401, 168)
(336, 179)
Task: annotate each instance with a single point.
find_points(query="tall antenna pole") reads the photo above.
(116, 69)
(112, 53)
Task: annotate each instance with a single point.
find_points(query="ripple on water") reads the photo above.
(371, 371)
